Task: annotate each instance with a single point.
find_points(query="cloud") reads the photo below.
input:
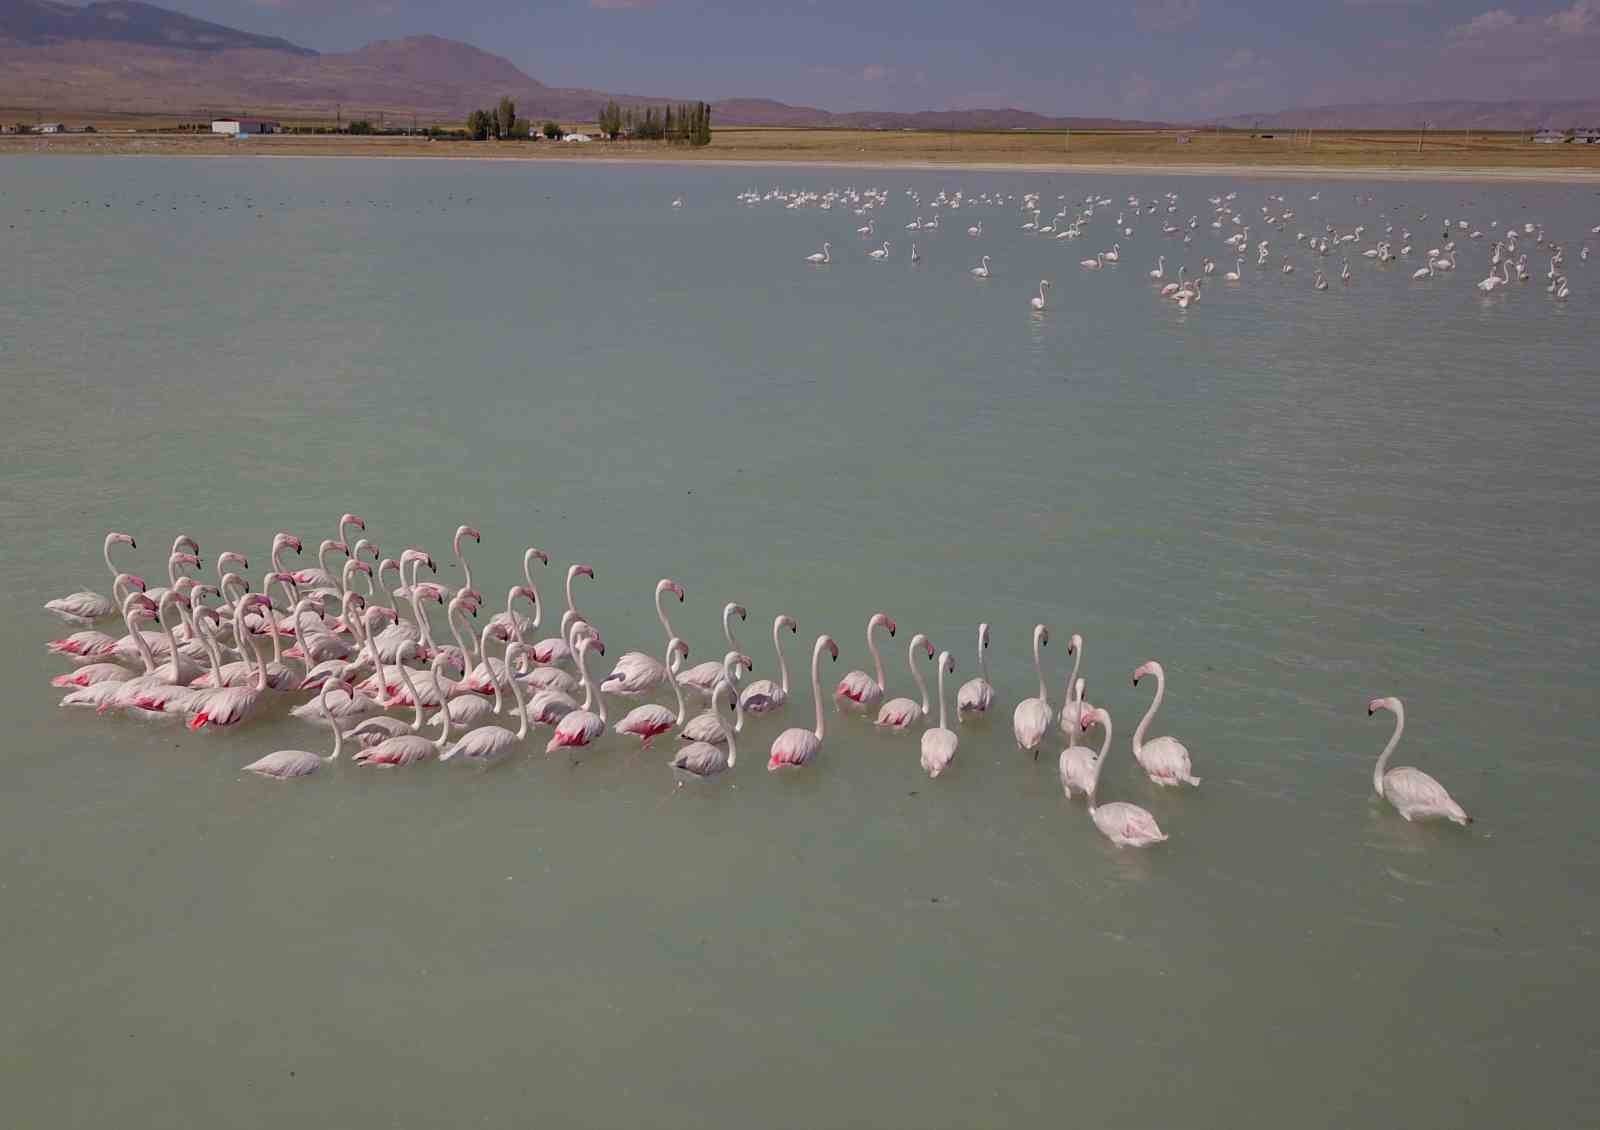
(1165, 15)
(1571, 34)
(875, 72)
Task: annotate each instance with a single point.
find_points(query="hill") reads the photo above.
(1441, 114)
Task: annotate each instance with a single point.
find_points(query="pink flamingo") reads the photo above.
(1126, 825)
(637, 674)
(1164, 760)
(650, 720)
(1414, 794)
(858, 691)
(797, 746)
(763, 695)
(707, 759)
(707, 726)
(1032, 716)
(89, 644)
(487, 742)
(466, 566)
(136, 607)
(900, 714)
(557, 650)
(408, 748)
(703, 678)
(282, 764)
(976, 695)
(322, 576)
(939, 742)
(1077, 761)
(583, 726)
(228, 706)
(83, 608)
(1072, 710)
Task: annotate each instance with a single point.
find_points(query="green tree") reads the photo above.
(506, 117)
(478, 125)
(552, 131)
(522, 129)
(611, 119)
(362, 126)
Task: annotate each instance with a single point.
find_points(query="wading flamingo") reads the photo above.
(707, 759)
(1077, 761)
(702, 678)
(285, 763)
(859, 692)
(581, 727)
(1032, 716)
(647, 721)
(939, 743)
(1414, 794)
(487, 742)
(763, 695)
(821, 256)
(795, 747)
(707, 726)
(977, 694)
(81, 609)
(1164, 760)
(637, 674)
(901, 714)
(1126, 825)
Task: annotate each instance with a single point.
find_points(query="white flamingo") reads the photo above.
(637, 674)
(977, 694)
(1164, 760)
(1076, 766)
(900, 714)
(1160, 271)
(282, 764)
(707, 726)
(858, 691)
(702, 678)
(583, 726)
(707, 759)
(83, 608)
(1414, 794)
(881, 253)
(486, 742)
(981, 271)
(650, 720)
(822, 256)
(796, 747)
(1032, 716)
(1124, 824)
(939, 742)
(764, 695)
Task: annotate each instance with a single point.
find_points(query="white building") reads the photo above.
(237, 127)
(51, 127)
(1549, 137)
(578, 137)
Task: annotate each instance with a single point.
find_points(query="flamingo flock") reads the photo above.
(1387, 240)
(350, 646)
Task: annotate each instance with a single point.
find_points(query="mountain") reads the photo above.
(37, 22)
(124, 56)
(1442, 114)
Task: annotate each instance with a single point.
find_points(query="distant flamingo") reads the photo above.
(976, 694)
(1414, 794)
(637, 674)
(859, 692)
(84, 608)
(1126, 825)
(408, 748)
(1164, 760)
(981, 271)
(763, 695)
(901, 714)
(1032, 716)
(1037, 301)
(795, 747)
(821, 256)
(939, 743)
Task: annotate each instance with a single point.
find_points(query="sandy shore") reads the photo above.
(876, 154)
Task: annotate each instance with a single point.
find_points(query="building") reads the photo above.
(580, 138)
(50, 127)
(241, 127)
(1549, 137)
(1586, 136)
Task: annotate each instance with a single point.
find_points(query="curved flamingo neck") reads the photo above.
(1038, 669)
(1072, 679)
(411, 689)
(1155, 704)
(916, 673)
(106, 553)
(816, 685)
(466, 566)
(516, 693)
(662, 589)
(1100, 759)
(877, 660)
(728, 613)
(674, 661)
(777, 645)
(983, 653)
(944, 718)
(1388, 750)
(333, 723)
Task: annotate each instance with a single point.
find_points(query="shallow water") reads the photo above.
(1296, 500)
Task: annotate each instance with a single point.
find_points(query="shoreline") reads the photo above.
(254, 149)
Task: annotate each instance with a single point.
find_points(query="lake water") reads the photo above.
(1297, 500)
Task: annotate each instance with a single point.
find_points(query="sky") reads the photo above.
(1178, 59)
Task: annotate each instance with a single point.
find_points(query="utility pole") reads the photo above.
(338, 117)
(1420, 133)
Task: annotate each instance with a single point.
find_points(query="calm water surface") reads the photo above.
(1296, 500)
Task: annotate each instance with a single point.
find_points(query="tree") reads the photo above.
(478, 125)
(611, 119)
(506, 117)
(523, 128)
(362, 126)
(552, 131)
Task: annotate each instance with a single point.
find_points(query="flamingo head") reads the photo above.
(284, 539)
(526, 593)
(351, 520)
(369, 547)
(1150, 668)
(139, 606)
(677, 647)
(229, 557)
(189, 559)
(1074, 644)
(183, 543)
(881, 620)
(466, 532)
(134, 582)
(587, 571)
(1042, 634)
(121, 539)
(743, 661)
(544, 558)
(983, 635)
(1378, 704)
(666, 584)
(255, 599)
(787, 621)
(740, 609)
(947, 663)
(833, 648)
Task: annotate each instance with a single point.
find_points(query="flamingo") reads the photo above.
(1414, 794)
(702, 678)
(508, 625)
(707, 726)
(981, 271)
(1124, 824)
(1076, 766)
(408, 748)
(1032, 716)
(763, 695)
(487, 742)
(83, 608)
(939, 742)
(637, 674)
(977, 694)
(581, 727)
(647, 721)
(1093, 264)
(282, 764)
(228, 706)
(1160, 271)
(1164, 760)
(858, 689)
(976, 229)
(1319, 281)
(90, 644)
(916, 257)
(1037, 302)
(822, 256)
(706, 759)
(900, 714)
(463, 532)
(1114, 255)
(881, 253)
(1237, 273)
(797, 746)
(102, 691)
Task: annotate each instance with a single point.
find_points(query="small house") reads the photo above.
(1586, 136)
(1549, 137)
(50, 127)
(244, 127)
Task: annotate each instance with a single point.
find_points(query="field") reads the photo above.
(1440, 152)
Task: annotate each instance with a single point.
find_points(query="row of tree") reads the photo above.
(689, 123)
(499, 122)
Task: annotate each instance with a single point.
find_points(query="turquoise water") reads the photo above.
(1296, 500)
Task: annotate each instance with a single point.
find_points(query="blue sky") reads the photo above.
(1156, 58)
